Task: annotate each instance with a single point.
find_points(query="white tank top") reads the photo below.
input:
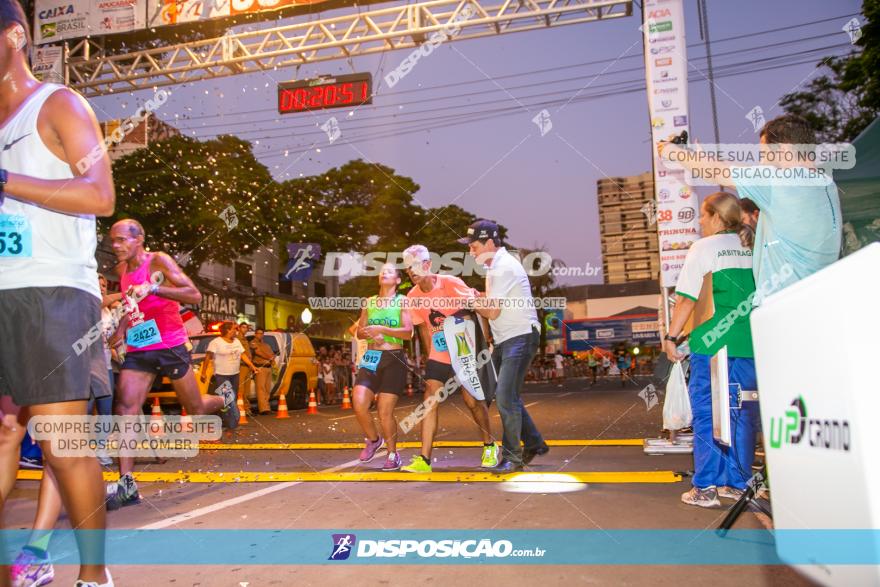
(60, 248)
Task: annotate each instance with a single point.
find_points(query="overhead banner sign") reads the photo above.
(79, 18)
(72, 19)
(168, 12)
(666, 77)
(584, 335)
(117, 16)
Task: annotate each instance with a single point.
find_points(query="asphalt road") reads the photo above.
(574, 410)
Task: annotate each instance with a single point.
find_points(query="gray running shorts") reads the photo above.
(50, 346)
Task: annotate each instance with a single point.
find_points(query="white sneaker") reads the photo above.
(108, 583)
(704, 498)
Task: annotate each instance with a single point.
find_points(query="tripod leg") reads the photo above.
(749, 496)
(735, 511)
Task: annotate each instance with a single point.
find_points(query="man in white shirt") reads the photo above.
(560, 366)
(516, 333)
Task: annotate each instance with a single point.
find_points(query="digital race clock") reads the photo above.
(325, 92)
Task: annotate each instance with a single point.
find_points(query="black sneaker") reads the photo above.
(126, 494)
(229, 414)
(507, 467)
(530, 454)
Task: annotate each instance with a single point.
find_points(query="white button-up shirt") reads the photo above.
(507, 281)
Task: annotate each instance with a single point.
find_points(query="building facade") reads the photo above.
(627, 225)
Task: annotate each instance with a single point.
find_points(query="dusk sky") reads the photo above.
(489, 158)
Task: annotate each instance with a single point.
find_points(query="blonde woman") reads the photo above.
(716, 285)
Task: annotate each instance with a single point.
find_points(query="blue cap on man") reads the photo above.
(480, 230)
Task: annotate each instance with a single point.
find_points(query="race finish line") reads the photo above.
(378, 476)
(438, 444)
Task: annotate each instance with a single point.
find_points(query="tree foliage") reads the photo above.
(842, 102)
(183, 190)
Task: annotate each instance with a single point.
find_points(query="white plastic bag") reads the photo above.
(677, 405)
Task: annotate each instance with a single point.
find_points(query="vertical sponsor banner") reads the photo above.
(47, 64)
(666, 77)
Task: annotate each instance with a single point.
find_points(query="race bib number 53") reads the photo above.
(15, 236)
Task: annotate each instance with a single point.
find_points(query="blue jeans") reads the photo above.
(715, 464)
(512, 359)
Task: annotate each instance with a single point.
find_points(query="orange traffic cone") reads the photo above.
(346, 399)
(409, 391)
(313, 403)
(242, 415)
(157, 420)
(186, 421)
(282, 408)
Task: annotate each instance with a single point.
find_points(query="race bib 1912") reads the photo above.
(370, 360)
(15, 236)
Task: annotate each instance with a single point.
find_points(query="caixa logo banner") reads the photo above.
(796, 427)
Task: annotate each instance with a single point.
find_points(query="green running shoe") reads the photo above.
(490, 456)
(417, 465)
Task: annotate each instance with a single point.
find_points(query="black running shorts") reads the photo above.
(438, 371)
(389, 376)
(172, 363)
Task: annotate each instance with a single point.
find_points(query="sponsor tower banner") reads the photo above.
(666, 77)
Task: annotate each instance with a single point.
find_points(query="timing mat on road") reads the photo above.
(437, 444)
(378, 476)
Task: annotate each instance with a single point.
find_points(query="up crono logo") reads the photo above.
(796, 426)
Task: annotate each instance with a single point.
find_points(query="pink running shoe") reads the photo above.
(370, 449)
(29, 570)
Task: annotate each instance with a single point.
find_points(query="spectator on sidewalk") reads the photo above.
(263, 358)
(244, 373)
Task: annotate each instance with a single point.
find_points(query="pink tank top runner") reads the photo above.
(165, 312)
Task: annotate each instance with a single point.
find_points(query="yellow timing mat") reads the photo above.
(438, 444)
(436, 477)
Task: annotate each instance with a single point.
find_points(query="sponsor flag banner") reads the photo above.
(47, 65)
(666, 81)
(466, 345)
(553, 324)
(302, 258)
